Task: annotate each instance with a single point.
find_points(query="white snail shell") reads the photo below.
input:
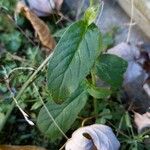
(102, 138)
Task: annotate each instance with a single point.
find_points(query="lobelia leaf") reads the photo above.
(73, 58)
(110, 68)
(64, 114)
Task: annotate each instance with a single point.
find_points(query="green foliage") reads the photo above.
(76, 55)
(64, 114)
(8, 5)
(111, 68)
(78, 60)
(73, 58)
(12, 41)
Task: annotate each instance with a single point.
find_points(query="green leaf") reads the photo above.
(111, 68)
(98, 92)
(128, 120)
(64, 114)
(36, 105)
(73, 58)
(105, 115)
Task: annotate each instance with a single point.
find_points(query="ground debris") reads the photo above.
(11, 147)
(39, 26)
(136, 76)
(142, 121)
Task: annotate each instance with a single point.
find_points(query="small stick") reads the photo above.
(131, 21)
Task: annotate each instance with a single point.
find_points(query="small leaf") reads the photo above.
(111, 68)
(91, 14)
(128, 120)
(64, 114)
(105, 115)
(36, 105)
(73, 59)
(98, 92)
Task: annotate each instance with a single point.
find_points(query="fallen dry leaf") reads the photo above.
(94, 137)
(11, 147)
(39, 26)
(142, 121)
(43, 7)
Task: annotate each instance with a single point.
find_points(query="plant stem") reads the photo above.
(94, 99)
(26, 84)
(48, 112)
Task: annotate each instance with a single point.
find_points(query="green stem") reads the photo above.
(94, 99)
(26, 84)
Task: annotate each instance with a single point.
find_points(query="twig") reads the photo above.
(146, 89)
(131, 21)
(20, 68)
(119, 131)
(93, 76)
(62, 17)
(63, 146)
(80, 6)
(49, 114)
(86, 119)
(101, 12)
(15, 57)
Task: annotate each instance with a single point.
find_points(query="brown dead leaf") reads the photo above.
(10, 147)
(39, 26)
(142, 121)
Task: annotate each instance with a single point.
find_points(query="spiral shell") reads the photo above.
(94, 137)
